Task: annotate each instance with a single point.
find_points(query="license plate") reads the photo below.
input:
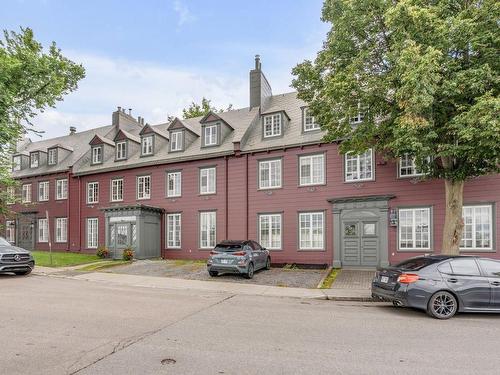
(384, 279)
(225, 261)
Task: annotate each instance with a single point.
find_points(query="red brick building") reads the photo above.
(262, 172)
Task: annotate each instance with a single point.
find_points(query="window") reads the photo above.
(11, 195)
(208, 230)
(52, 156)
(92, 233)
(272, 125)
(34, 160)
(174, 181)
(270, 231)
(414, 229)
(143, 187)
(312, 170)
(43, 230)
(490, 267)
(43, 191)
(26, 193)
(466, 266)
(97, 155)
(309, 121)
(407, 167)
(10, 231)
(270, 174)
(358, 116)
(359, 167)
(174, 231)
(207, 180)
(62, 189)
(121, 150)
(311, 230)
(147, 145)
(117, 190)
(61, 229)
(93, 192)
(176, 142)
(477, 232)
(16, 163)
(210, 135)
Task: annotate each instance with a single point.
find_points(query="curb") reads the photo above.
(328, 270)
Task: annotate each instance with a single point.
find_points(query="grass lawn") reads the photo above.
(42, 258)
(104, 264)
(328, 281)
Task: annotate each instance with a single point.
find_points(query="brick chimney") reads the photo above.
(120, 117)
(260, 89)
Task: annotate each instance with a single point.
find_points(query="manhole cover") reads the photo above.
(168, 361)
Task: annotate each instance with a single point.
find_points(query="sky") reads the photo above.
(157, 56)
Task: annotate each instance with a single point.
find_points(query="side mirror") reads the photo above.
(264, 248)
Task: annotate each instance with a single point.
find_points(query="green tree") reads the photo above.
(196, 110)
(31, 80)
(426, 76)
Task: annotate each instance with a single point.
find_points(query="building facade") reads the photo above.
(263, 172)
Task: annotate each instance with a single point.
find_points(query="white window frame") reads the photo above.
(407, 162)
(414, 232)
(10, 231)
(147, 145)
(357, 159)
(474, 223)
(92, 192)
(143, 187)
(174, 230)
(61, 189)
(116, 190)
(52, 156)
(305, 244)
(34, 162)
(273, 171)
(16, 163)
(11, 195)
(43, 191)
(97, 154)
(208, 219)
(92, 232)
(210, 135)
(121, 150)
(309, 121)
(26, 193)
(272, 125)
(43, 230)
(176, 178)
(315, 177)
(61, 229)
(176, 140)
(358, 117)
(273, 222)
(208, 174)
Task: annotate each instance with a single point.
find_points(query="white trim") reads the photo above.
(176, 241)
(210, 134)
(61, 229)
(269, 218)
(92, 233)
(147, 144)
(143, 186)
(177, 184)
(176, 140)
(26, 193)
(474, 224)
(210, 176)
(43, 191)
(414, 228)
(43, 230)
(309, 245)
(310, 159)
(92, 192)
(63, 185)
(273, 127)
(205, 225)
(117, 187)
(275, 183)
(357, 160)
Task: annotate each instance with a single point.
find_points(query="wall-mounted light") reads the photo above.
(393, 218)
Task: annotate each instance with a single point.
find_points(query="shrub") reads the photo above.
(102, 252)
(128, 254)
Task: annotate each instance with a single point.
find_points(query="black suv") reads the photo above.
(14, 259)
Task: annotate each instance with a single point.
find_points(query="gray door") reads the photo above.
(119, 238)
(360, 243)
(26, 232)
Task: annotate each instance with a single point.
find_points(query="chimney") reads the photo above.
(130, 111)
(260, 89)
(72, 130)
(121, 117)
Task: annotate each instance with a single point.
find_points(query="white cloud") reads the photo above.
(183, 13)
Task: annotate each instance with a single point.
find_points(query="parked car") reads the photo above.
(241, 257)
(14, 259)
(441, 285)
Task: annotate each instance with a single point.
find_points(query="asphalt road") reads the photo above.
(61, 326)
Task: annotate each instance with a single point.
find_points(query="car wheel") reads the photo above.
(442, 305)
(249, 273)
(23, 273)
(268, 263)
(213, 273)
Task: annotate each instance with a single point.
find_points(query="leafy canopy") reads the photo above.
(196, 110)
(424, 73)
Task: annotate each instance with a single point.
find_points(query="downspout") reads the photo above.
(80, 213)
(226, 195)
(68, 212)
(246, 195)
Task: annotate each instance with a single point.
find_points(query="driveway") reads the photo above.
(194, 270)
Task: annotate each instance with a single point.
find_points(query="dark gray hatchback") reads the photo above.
(442, 285)
(14, 259)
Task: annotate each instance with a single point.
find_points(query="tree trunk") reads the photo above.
(453, 222)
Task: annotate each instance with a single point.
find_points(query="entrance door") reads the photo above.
(26, 232)
(360, 244)
(120, 238)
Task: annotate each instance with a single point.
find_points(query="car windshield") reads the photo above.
(228, 248)
(3, 242)
(416, 264)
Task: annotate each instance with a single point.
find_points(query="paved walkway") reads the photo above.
(353, 279)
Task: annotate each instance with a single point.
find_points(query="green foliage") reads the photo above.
(196, 110)
(128, 254)
(102, 252)
(426, 74)
(328, 281)
(62, 259)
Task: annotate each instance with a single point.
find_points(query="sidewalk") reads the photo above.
(208, 286)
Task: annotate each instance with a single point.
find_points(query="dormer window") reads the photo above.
(52, 156)
(34, 160)
(147, 145)
(97, 155)
(121, 150)
(272, 125)
(309, 121)
(16, 163)
(210, 133)
(358, 117)
(176, 141)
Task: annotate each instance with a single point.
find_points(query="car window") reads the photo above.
(415, 264)
(4, 242)
(445, 268)
(490, 267)
(228, 248)
(247, 248)
(466, 267)
(256, 246)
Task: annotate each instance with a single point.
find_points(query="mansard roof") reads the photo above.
(122, 135)
(148, 129)
(211, 117)
(99, 140)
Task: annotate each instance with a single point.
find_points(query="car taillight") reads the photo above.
(407, 278)
(214, 252)
(239, 253)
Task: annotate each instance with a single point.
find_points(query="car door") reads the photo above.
(491, 268)
(257, 254)
(468, 283)
(262, 254)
